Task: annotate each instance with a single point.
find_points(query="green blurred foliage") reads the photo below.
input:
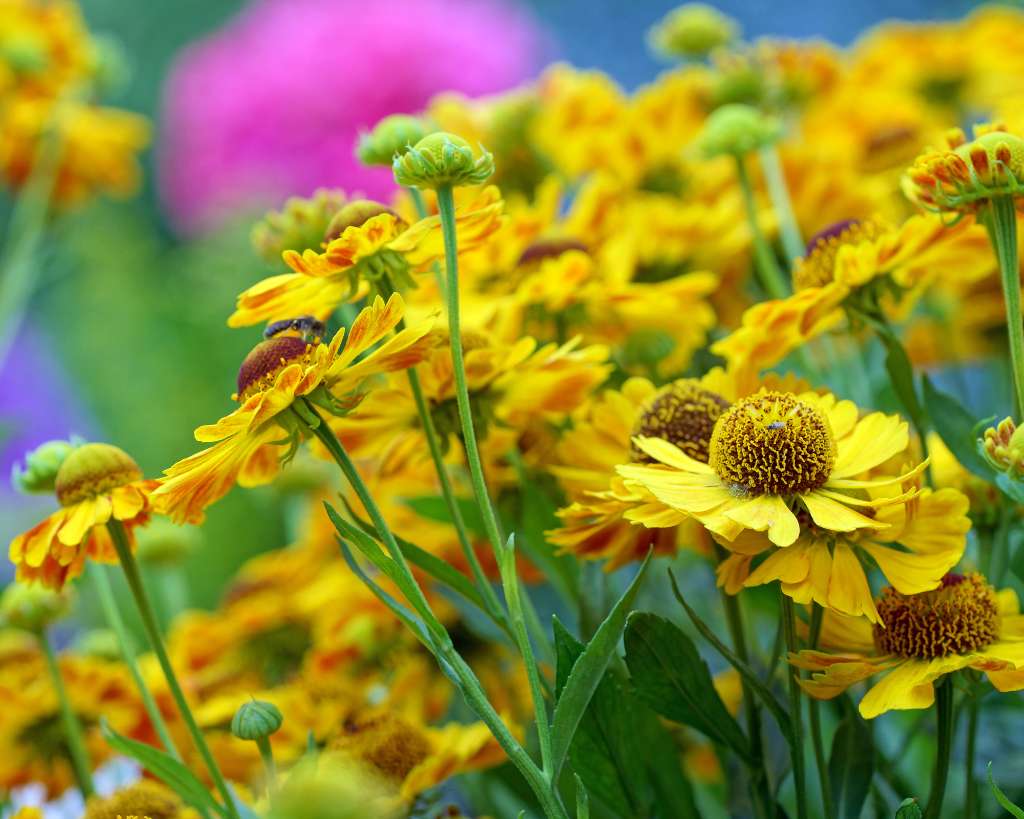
(139, 326)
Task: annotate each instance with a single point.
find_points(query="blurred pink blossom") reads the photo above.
(271, 105)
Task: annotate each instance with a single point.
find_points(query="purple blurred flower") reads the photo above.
(271, 105)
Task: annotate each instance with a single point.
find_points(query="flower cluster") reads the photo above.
(680, 326)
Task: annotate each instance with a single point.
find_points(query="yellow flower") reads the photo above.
(847, 261)
(247, 443)
(368, 245)
(922, 541)
(778, 462)
(415, 758)
(96, 483)
(145, 799)
(920, 638)
(31, 732)
(99, 147)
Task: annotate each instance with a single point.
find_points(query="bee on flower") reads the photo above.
(279, 383)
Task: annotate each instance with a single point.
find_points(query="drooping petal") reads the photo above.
(909, 685)
(909, 572)
(766, 513)
(834, 516)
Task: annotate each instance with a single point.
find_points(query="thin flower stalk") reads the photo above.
(73, 734)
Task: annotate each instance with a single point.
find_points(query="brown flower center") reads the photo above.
(960, 616)
(774, 444)
(387, 743)
(817, 267)
(682, 413)
(266, 360)
(356, 214)
(543, 249)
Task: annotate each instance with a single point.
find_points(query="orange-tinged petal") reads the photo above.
(81, 518)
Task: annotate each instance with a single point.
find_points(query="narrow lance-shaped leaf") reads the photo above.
(587, 672)
(957, 428)
(851, 765)
(670, 676)
(165, 768)
(764, 693)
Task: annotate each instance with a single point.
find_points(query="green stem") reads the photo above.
(433, 444)
(817, 614)
(970, 786)
(112, 614)
(513, 596)
(446, 205)
(782, 204)
(764, 258)
(944, 717)
(441, 643)
(72, 727)
(1001, 223)
(149, 622)
(25, 231)
(267, 755)
(321, 430)
(421, 210)
(795, 708)
(760, 795)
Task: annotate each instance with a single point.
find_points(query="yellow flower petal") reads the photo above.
(834, 516)
(875, 439)
(766, 513)
(670, 455)
(910, 572)
(909, 685)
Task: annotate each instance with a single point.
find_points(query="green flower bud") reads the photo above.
(32, 608)
(101, 643)
(163, 543)
(736, 130)
(256, 720)
(41, 465)
(24, 55)
(391, 136)
(442, 159)
(299, 225)
(692, 31)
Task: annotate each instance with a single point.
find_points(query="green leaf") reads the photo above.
(587, 672)
(957, 428)
(411, 621)
(673, 794)
(909, 809)
(442, 572)
(165, 768)
(851, 765)
(670, 676)
(604, 751)
(1002, 798)
(434, 507)
(901, 374)
(777, 709)
(1013, 489)
(582, 800)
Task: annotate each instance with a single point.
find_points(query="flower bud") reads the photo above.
(736, 130)
(101, 643)
(299, 225)
(1003, 447)
(24, 54)
(32, 608)
(163, 543)
(692, 31)
(391, 136)
(442, 159)
(256, 720)
(41, 465)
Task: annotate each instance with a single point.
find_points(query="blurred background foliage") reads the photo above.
(126, 336)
